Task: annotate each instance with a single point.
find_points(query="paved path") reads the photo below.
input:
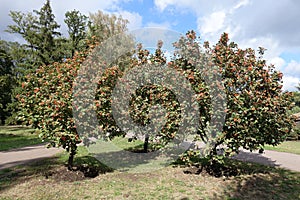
(272, 158)
(29, 154)
(25, 155)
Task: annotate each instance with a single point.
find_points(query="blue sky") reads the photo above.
(274, 25)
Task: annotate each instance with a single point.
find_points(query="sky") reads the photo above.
(274, 25)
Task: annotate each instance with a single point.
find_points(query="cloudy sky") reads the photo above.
(274, 25)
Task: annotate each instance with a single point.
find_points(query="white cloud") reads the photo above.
(246, 19)
(135, 19)
(212, 23)
(292, 69)
(290, 83)
(278, 62)
(241, 4)
(162, 4)
(164, 25)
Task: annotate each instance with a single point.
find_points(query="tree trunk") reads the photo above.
(71, 156)
(146, 142)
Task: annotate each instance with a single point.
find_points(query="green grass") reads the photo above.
(123, 143)
(16, 137)
(50, 179)
(287, 146)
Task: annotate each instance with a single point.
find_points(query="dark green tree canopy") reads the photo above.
(39, 30)
(7, 80)
(77, 29)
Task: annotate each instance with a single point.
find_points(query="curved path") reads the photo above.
(25, 155)
(272, 158)
(30, 154)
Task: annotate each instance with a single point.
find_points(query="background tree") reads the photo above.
(42, 45)
(77, 30)
(7, 80)
(295, 134)
(40, 33)
(47, 45)
(296, 100)
(102, 26)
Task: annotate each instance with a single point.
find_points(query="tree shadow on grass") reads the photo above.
(135, 160)
(90, 166)
(244, 163)
(277, 184)
(10, 177)
(251, 176)
(85, 167)
(17, 128)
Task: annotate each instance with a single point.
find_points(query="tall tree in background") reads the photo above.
(296, 100)
(102, 26)
(46, 40)
(77, 27)
(42, 46)
(7, 81)
(40, 33)
(24, 26)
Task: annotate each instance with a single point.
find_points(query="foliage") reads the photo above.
(42, 44)
(46, 98)
(256, 112)
(256, 108)
(77, 29)
(296, 102)
(46, 102)
(7, 80)
(40, 33)
(295, 134)
(141, 102)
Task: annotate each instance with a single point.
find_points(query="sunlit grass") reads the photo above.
(255, 181)
(287, 146)
(15, 137)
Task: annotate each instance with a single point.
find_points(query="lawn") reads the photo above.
(287, 146)
(15, 137)
(91, 179)
(50, 179)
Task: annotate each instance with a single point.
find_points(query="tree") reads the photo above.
(296, 98)
(46, 98)
(7, 80)
(298, 87)
(103, 26)
(40, 33)
(42, 45)
(46, 42)
(257, 109)
(77, 27)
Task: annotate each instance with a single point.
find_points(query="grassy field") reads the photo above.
(287, 146)
(15, 137)
(50, 179)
